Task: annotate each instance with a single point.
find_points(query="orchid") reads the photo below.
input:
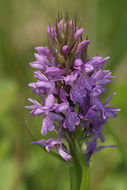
(70, 85)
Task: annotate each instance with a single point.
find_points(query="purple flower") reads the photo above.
(57, 145)
(70, 85)
(46, 111)
(40, 63)
(92, 148)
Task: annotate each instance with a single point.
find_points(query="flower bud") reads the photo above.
(78, 33)
(81, 46)
(65, 49)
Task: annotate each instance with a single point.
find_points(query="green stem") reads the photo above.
(85, 178)
(73, 178)
(85, 170)
(79, 171)
(75, 169)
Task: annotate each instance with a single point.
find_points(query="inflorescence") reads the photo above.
(69, 84)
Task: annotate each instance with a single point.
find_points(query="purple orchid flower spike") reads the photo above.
(70, 85)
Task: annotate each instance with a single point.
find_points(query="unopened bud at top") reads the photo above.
(81, 46)
(51, 31)
(65, 49)
(78, 33)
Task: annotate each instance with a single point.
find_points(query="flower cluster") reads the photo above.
(69, 85)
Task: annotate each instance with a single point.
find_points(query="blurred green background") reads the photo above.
(22, 27)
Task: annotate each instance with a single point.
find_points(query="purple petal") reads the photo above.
(65, 155)
(71, 120)
(55, 116)
(91, 146)
(40, 76)
(32, 84)
(102, 147)
(57, 78)
(47, 125)
(63, 95)
(110, 112)
(37, 65)
(101, 74)
(61, 107)
(31, 107)
(42, 142)
(85, 82)
(77, 95)
(102, 77)
(43, 84)
(109, 98)
(50, 143)
(36, 90)
(97, 61)
(33, 101)
(40, 58)
(71, 78)
(88, 68)
(37, 111)
(43, 50)
(37, 108)
(49, 101)
(54, 71)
